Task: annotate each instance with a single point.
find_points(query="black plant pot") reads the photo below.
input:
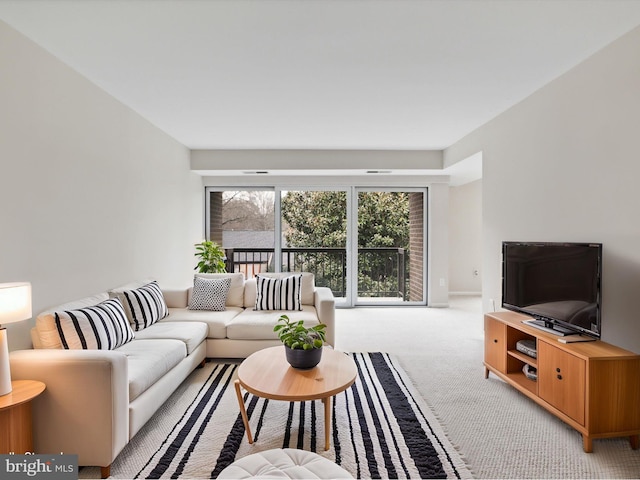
(303, 359)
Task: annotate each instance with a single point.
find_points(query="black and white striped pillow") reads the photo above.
(278, 293)
(101, 327)
(144, 305)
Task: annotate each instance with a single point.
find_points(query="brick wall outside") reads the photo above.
(416, 246)
(215, 217)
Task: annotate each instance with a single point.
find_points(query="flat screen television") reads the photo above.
(558, 284)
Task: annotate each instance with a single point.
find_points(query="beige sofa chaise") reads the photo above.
(96, 400)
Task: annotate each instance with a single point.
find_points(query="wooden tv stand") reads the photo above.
(594, 386)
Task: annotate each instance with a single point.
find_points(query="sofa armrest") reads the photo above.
(325, 304)
(84, 409)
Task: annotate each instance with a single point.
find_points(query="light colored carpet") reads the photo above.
(498, 431)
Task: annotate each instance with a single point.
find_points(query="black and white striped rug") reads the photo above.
(381, 428)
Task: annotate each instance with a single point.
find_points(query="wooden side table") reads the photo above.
(16, 433)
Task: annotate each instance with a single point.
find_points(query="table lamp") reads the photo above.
(15, 306)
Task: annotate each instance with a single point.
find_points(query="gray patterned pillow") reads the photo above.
(209, 294)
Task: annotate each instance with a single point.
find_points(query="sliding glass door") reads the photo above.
(390, 246)
(314, 236)
(366, 244)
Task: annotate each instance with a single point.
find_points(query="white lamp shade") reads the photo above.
(15, 302)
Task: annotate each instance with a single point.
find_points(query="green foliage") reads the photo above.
(315, 219)
(212, 257)
(296, 336)
(318, 219)
(383, 219)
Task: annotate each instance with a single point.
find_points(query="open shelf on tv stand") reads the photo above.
(549, 327)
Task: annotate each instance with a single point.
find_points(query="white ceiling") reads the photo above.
(320, 74)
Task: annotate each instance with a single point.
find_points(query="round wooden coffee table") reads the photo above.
(267, 374)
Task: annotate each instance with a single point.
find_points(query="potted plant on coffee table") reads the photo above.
(303, 345)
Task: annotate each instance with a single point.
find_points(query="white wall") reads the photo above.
(438, 247)
(563, 166)
(401, 161)
(92, 195)
(465, 238)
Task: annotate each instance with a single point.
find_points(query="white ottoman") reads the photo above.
(284, 463)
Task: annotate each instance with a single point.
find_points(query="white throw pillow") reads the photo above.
(144, 305)
(209, 294)
(278, 293)
(101, 327)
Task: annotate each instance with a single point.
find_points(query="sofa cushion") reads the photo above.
(209, 294)
(235, 297)
(306, 295)
(258, 324)
(99, 327)
(46, 330)
(216, 321)
(144, 305)
(150, 360)
(191, 333)
(278, 293)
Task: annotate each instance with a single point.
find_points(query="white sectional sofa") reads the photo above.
(240, 330)
(96, 400)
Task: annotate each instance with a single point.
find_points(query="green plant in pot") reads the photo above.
(212, 257)
(303, 345)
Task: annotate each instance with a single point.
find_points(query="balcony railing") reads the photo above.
(383, 272)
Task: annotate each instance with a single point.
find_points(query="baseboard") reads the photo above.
(466, 294)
